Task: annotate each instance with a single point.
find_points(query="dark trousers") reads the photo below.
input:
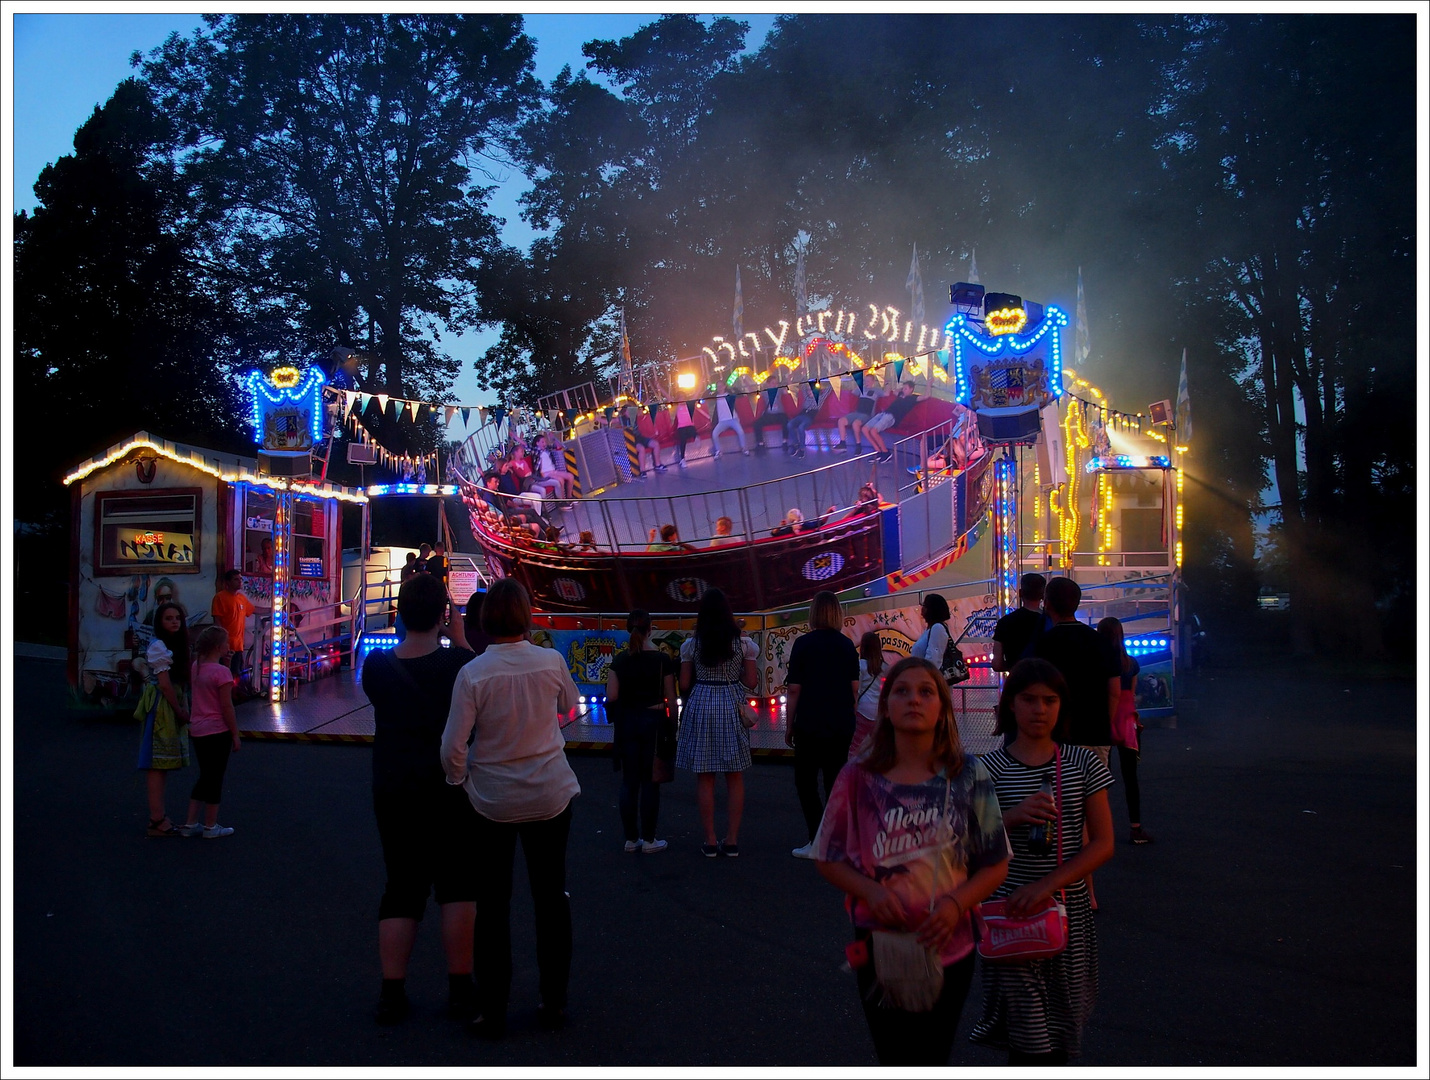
(905, 1038)
(683, 436)
(640, 798)
(212, 752)
(769, 420)
(543, 843)
(813, 755)
(1128, 759)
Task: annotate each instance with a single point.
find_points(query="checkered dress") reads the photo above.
(712, 739)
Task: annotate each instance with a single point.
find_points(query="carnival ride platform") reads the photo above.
(335, 710)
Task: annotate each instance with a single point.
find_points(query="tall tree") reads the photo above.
(1306, 199)
(337, 160)
(114, 328)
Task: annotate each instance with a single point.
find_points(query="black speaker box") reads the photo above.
(1020, 427)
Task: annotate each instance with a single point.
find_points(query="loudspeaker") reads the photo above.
(362, 454)
(997, 301)
(1161, 412)
(285, 465)
(967, 299)
(1009, 428)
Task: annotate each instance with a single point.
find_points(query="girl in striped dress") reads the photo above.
(717, 665)
(1036, 1009)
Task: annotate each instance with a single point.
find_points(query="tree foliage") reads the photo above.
(336, 162)
(115, 328)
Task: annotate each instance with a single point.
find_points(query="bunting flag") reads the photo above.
(898, 371)
(770, 395)
(608, 412)
(412, 407)
(570, 417)
(482, 415)
(1082, 345)
(653, 410)
(834, 384)
(730, 401)
(739, 319)
(1184, 405)
(814, 389)
(801, 287)
(973, 268)
(915, 284)
(449, 412)
(498, 412)
(942, 356)
(858, 377)
(382, 404)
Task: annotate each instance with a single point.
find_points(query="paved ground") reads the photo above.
(1272, 923)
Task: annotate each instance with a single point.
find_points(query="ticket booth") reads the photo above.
(155, 520)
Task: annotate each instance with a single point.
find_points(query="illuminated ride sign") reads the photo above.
(885, 325)
(286, 409)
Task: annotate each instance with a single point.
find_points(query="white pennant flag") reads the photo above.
(382, 404)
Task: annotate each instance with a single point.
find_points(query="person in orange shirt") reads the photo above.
(231, 610)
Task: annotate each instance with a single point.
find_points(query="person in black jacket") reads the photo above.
(822, 685)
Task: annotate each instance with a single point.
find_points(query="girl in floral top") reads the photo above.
(913, 834)
(164, 709)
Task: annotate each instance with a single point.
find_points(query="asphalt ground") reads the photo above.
(1272, 923)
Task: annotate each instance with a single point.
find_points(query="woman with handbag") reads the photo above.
(1036, 1009)
(640, 699)
(933, 642)
(913, 835)
(717, 670)
(164, 709)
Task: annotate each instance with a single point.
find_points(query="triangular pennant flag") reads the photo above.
(483, 415)
(382, 404)
(834, 383)
(412, 407)
(943, 356)
(449, 412)
(608, 412)
(466, 416)
(730, 401)
(898, 370)
(498, 411)
(653, 409)
(858, 377)
(570, 417)
(349, 399)
(770, 395)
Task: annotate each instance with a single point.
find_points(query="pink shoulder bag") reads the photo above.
(1044, 933)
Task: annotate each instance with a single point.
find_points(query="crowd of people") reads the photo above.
(469, 758)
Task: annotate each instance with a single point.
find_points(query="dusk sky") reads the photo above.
(66, 64)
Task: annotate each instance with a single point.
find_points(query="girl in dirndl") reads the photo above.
(717, 666)
(164, 709)
(1036, 1009)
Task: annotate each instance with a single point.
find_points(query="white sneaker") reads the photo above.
(806, 852)
(213, 832)
(196, 829)
(632, 845)
(651, 847)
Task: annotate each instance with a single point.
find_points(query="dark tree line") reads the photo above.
(1242, 187)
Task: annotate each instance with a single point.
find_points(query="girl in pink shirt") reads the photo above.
(213, 730)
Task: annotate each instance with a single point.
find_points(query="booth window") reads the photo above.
(309, 539)
(258, 533)
(156, 529)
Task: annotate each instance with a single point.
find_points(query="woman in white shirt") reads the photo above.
(933, 642)
(509, 701)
